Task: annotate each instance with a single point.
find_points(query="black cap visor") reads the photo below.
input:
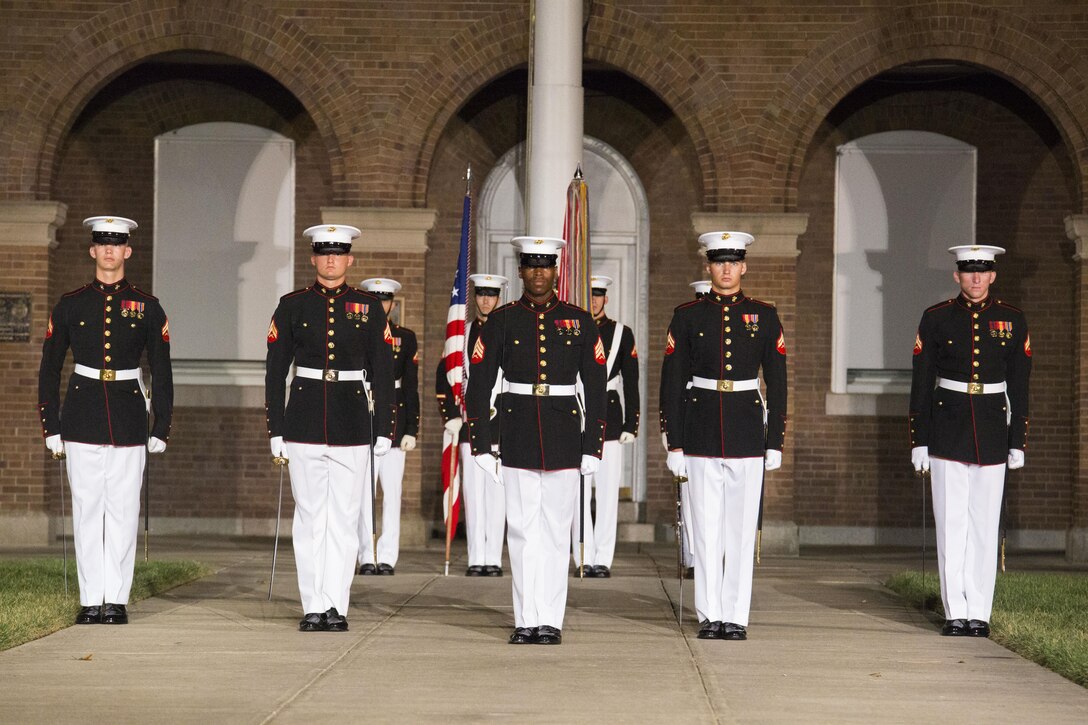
(538, 260)
(322, 248)
(725, 255)
(109, 238)
(975, 265)
(487, 291)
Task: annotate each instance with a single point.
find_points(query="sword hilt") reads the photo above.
(279, 461)
(60, 456)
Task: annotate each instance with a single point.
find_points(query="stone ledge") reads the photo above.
(776, 234)
(29, 529)
(385, 229)
(31, 223)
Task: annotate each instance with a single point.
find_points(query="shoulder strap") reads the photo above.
(614, 348)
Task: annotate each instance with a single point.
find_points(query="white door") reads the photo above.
(619, 248)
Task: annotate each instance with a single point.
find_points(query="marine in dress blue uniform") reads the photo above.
(390, 468)
(484, 498)
(968, 421)
(103, 425)
(721, 431)
(337, 338)
(542, 345)
(621, 428)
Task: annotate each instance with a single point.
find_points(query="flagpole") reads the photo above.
(450, 490)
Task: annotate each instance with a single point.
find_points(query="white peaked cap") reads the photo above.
(110, 224)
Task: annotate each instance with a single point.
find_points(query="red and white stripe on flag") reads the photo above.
(451, 480)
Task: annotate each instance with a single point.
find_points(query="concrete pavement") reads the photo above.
(827, 643)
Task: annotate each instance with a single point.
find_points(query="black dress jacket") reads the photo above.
(970, 342)
(725, 338)
(534, 344)
(329, 329)
(622, 417)
(108, 327)
(406, 370)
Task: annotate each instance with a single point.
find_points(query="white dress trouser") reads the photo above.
(389, 470)
(724, 496)
(539, 509)
(105, 482)
(967, 514)
(485, 512)
(600, 536)
(326, 482)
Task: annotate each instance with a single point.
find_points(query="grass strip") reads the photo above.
(32, 601)
(1042, 617)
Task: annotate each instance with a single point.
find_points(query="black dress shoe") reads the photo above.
(585, 572)
(732, 631)
(476, 570)
(954, 628)
(601, 572)
(313, 622)
(690, 573)
(367, 570)
(978, 628)
(385, 570)
(114, 614)
(89, 615)
(334, 621)
(710, 630)
(548, 635)
(523, 635)
(492, 570)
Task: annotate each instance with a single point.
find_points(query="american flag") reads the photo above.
(453, 355)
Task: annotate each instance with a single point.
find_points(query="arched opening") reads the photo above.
(619, 247)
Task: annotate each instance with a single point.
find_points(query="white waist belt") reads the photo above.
(540, 389)
(613, 383)
(330, 376)
(107, 375)
(971, 388)
(724, 386)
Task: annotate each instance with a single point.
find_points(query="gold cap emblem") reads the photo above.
(725, 235)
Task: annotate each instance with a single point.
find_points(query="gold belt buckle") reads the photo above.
(331, 376)
(974, 388)
(725, 386)
(540, 389)
(107, 375)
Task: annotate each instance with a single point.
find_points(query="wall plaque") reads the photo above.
(14, 316)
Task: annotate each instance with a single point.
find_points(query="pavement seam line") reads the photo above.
(365, 638)
(687, 643)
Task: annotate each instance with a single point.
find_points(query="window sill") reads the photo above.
(867, 404)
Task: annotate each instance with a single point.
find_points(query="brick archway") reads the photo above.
(1034, 60)
(647, 52)
(95, 52)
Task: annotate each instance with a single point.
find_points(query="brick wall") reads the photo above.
(387, 104)
(854, 471)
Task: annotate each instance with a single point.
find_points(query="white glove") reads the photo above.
(676, 464)
(665, 440)
(279, 448)
(919, 458)
(589, 466)
(155, 445)
(626, 437)
(453, 425)
(382, 446)
(408, 443)
(773, 460)
(55, 444)
(490, 464)
(1016, 458)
